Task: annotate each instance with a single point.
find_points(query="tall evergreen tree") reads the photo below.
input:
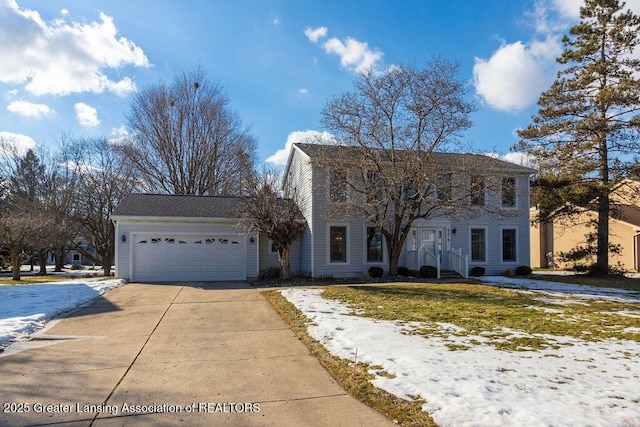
(588, 127)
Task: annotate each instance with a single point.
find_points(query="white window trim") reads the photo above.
(510, 227)
(364, 246)
(485, 227)
(515, 195)
(347, 246)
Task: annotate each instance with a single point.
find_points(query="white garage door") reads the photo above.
(173, 257)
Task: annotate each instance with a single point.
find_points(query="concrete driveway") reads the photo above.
(194, 354)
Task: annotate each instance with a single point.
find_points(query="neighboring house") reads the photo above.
(172, 238)
(556, 236)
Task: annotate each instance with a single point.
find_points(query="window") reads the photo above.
(478, 245)
(477, 191)
(444, 187)
(338, 186)
(76, 257)
(509, 245)
(373, 190)
(272, 247)
(338, 244)
(374, 244)
(508, 192)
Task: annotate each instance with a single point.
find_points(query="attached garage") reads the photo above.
(176, 257)
(163, 238)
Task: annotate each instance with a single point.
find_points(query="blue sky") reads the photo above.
(70, 67)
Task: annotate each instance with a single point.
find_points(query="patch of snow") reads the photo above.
(26, 308)
(562, 289)
(580, 383)
(557, 301)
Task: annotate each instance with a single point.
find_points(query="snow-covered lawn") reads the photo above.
(26, 308)
(581, 383)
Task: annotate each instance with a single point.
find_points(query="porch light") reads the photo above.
(252, 240)
(123, 238)
(453, 231)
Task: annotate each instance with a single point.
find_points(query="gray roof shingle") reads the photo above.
(163, 205)
(341, 152)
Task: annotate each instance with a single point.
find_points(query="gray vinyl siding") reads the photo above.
(300, 178)
(268, 259)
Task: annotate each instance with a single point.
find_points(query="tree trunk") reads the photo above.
(394, 258)
(602, 261)
(15, 264)
(107, 260)
(285, 266)
(59, 257)
(42, 261)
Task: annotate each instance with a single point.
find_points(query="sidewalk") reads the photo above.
(196, 354)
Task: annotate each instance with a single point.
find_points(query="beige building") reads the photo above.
(551, 238)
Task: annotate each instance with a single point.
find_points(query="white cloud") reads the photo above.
(354, 55)
(516, 157)
(515, 75)
(15, 144)
(62, 57)
(314, 34)
(276, 21)
(87, 115)
(309, 136)
(29, 109)
(303, 91)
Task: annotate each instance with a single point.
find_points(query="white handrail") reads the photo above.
(436, 261)
(459, 262)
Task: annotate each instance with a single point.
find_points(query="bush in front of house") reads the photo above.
(428, 272)
(269, 273)
(477, 271)
(404, 271)
(375, 272)
(523, 270)
(76, 267)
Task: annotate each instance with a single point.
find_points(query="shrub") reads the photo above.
(269, 273)
(428, 272)
(76, 267)
(403, 271)
(376, 272)
(477, 271)
(523, 270)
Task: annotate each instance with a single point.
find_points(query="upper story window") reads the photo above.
(374, 182)
(444, 187)
(508, 192)
(338, 186)
(477, 191)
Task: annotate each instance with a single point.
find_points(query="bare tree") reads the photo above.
(273, 212)
(397, 123)
(186, 139)
(105, 178)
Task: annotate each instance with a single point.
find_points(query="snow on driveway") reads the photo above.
(579, 384)
(26, 308)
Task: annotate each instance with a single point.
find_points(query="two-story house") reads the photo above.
(172, 238)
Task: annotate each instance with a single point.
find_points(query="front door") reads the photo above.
(432, 242)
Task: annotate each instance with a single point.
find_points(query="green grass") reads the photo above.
(619, 282)
(506, 319)
(6, 280)
(356, 382)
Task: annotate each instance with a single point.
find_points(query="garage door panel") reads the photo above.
(174, 257)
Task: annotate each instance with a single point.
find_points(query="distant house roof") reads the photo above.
(341, 152)
(162, 205)
(627, 213)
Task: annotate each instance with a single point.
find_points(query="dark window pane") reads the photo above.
(338, 244)
(374, 244)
